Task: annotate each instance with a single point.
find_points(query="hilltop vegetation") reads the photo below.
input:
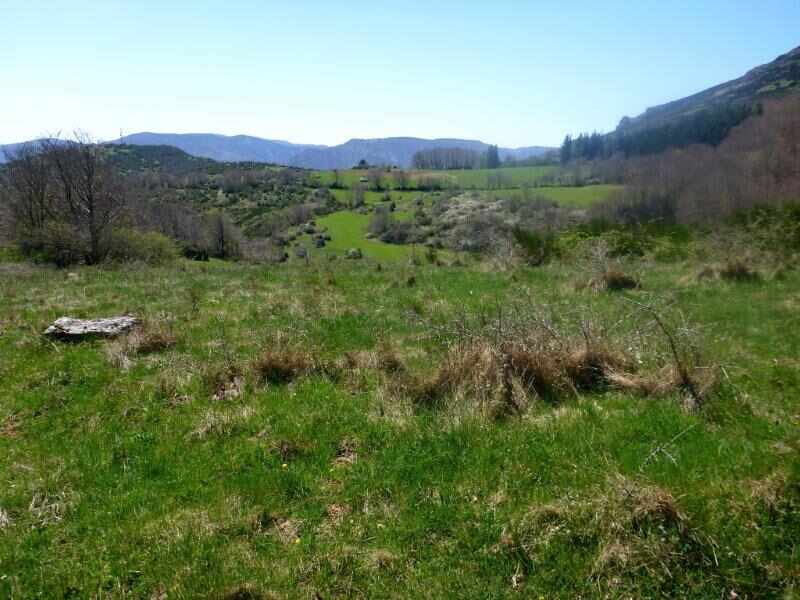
(703, 118)
(778, 78)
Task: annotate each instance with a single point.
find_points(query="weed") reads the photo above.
(738, 271)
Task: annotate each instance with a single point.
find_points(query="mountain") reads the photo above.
(779, 77)
(11, 149)
(131, 158)
(394, 151)
(237, 148)
(242, 148)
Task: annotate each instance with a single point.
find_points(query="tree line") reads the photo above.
(67, 203)
(443, 159)
(757, 165)
(709, 126)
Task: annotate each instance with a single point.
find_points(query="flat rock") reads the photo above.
(69, 328)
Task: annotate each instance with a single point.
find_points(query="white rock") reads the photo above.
(67, 327)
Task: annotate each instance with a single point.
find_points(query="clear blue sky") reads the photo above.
(510, 72)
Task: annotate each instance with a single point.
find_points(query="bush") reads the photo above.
(399, 232)
(55, 243)
(629, 242)
(737, 270)
(128, 245)
(539, 247)
(615, 280)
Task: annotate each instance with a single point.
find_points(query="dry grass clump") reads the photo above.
(357, 368)
(503, 365)
(285, 362)
(283, 365)
(632, 529)
(47, 508)
(614, 279)
(739, 271)
(247, 591)
(288, 450)
(336, 513)
(696, 381)
(9, 426)
(222, 423)
(5, 520)
(777, 494)
(149, 338)
(706, 273)
(287, 530)
(507, 376)
(226, 382)
(346, 452)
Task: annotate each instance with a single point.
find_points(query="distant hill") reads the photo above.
(394, 151)
(779, 77)
(132, 158)
(11, 149)
(237, 148)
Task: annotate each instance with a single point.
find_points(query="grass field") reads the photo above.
(166, 466)
(574, 197)
(474, 179)
(405, 197)
(577, 197)
(510, 176)
(347, 231)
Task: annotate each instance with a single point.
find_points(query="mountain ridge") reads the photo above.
(778, 77)
(390, 150)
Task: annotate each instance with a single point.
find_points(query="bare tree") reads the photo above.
(92, 194)
(375, 179)
(401, 180)
(357, 196)
(226, 240)
(28, 188)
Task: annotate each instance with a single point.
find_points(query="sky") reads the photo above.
(515, 73)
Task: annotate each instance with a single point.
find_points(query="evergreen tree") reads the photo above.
(566, 150)
(492, 157)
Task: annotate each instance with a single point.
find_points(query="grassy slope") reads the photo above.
(477, 178)
(347, 231)
(129, 483)
(575, 197)
(517, 176)
(348, 228)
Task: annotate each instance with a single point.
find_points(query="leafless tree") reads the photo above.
(375, 177)
(226, 240)
(357, 196)
(92, 195)
(27, 183)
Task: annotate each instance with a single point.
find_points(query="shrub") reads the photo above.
(539, 247)
(615, 280)
(55, 243)
(399, 232)
(738, 270)
(129, 245)
(629, 242)
(283, 365)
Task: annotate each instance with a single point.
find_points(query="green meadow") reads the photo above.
(472, 178)
(267, 433)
